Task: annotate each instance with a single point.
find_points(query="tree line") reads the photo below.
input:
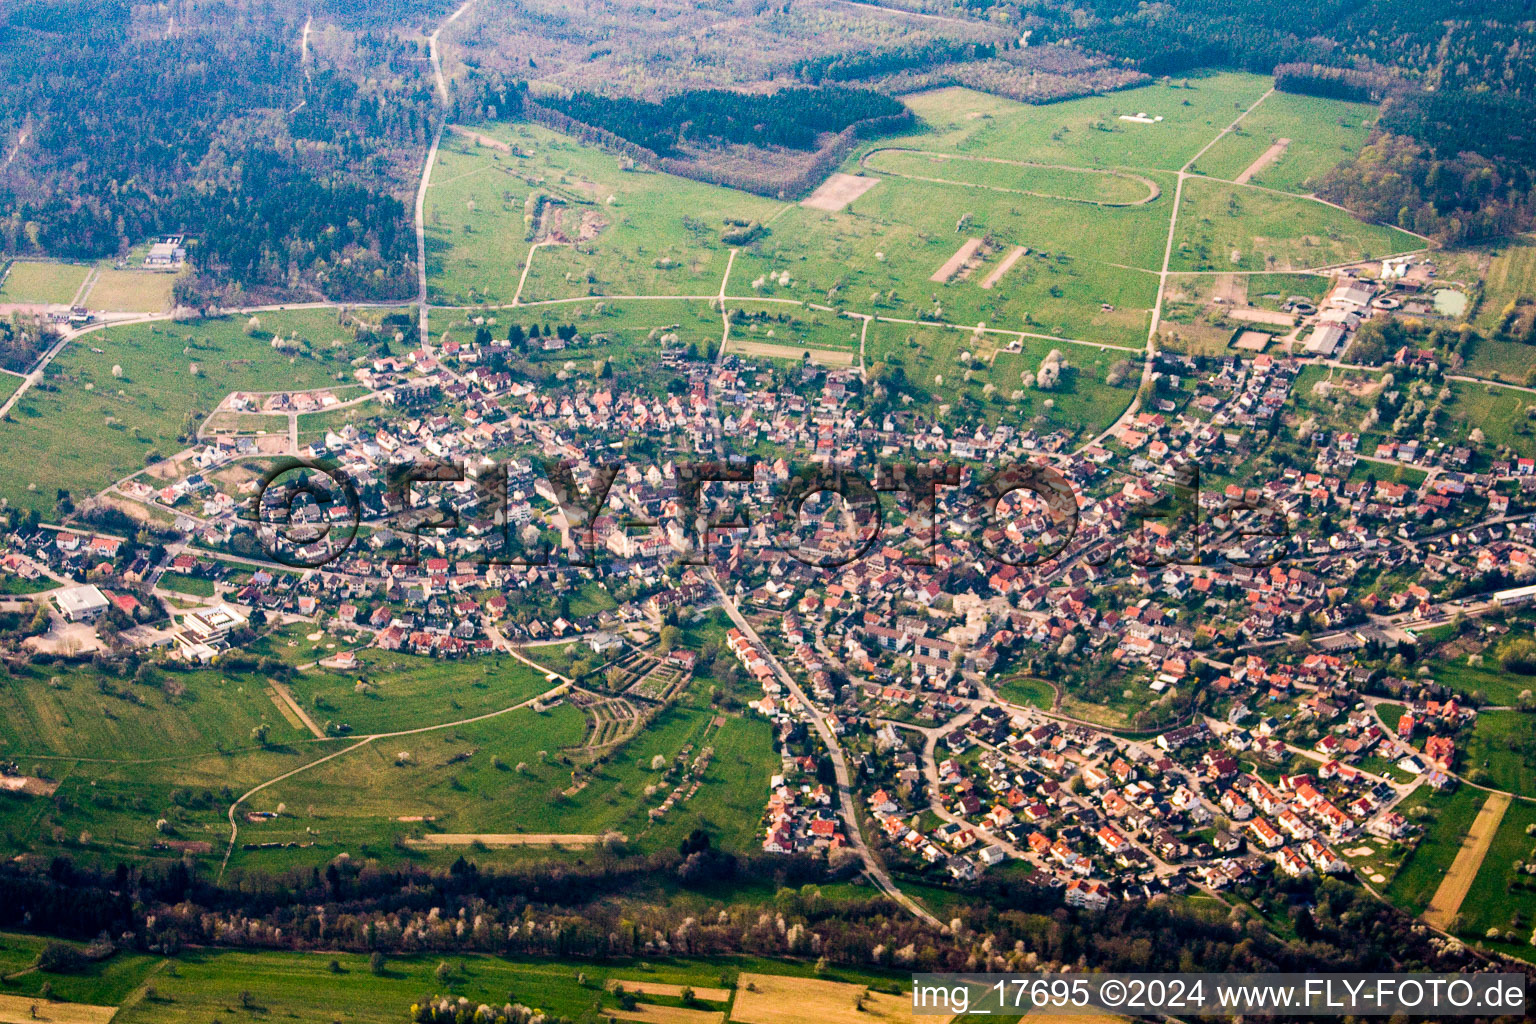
(794, 118)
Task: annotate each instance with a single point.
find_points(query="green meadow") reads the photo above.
(115, 395)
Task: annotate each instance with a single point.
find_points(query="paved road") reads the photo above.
(872, 866)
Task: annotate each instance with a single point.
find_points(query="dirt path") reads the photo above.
(1005, 266)
(952, 265)
(1266, 158)
(1446, 903)
(503, 839)
(286, 695)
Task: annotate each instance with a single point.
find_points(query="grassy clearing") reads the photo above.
(1495, 685)
(1498, 412)
(1027, 691)
(1233, 227)
(40, 281)
(1088, 132)
(1323, 133)
(132, 291)
(84, 427)
(520, 773)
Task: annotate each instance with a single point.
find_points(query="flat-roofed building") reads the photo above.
(81, 604)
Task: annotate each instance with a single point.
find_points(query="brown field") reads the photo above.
(504, 839)
(1446, 902)
(132, 291)
(774, 999)
(952, 265)
(819, 356)
(1005, 266)
(838, 191)
(19, 1010)
(1262, 316)
(656, 988)
(1266, 158)
(484, 140)
(667, 1015)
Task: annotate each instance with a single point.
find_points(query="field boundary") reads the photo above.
(505, 839)
(1446, 902)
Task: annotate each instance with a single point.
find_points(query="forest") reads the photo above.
(793, 118)
(128, 131)
(582, 911)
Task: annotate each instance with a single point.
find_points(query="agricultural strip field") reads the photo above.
(304, 986)
(41, 282)
(1502, 897)
(776, 999)
(1448, 898)
(170, 376)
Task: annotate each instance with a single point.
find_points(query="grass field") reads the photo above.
(522, 772)
(196, 586)
(404, 692)
(1500, 896)
(84, 427)
(1088, 132)
(1450, 816)
(1511, 276)
(1501, 751)
(132, 291)
(38, 281)
(1234, 227)
(930, 358)
(1323, 134)
(1027, 691)
(1075, 184)
(659, 234)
